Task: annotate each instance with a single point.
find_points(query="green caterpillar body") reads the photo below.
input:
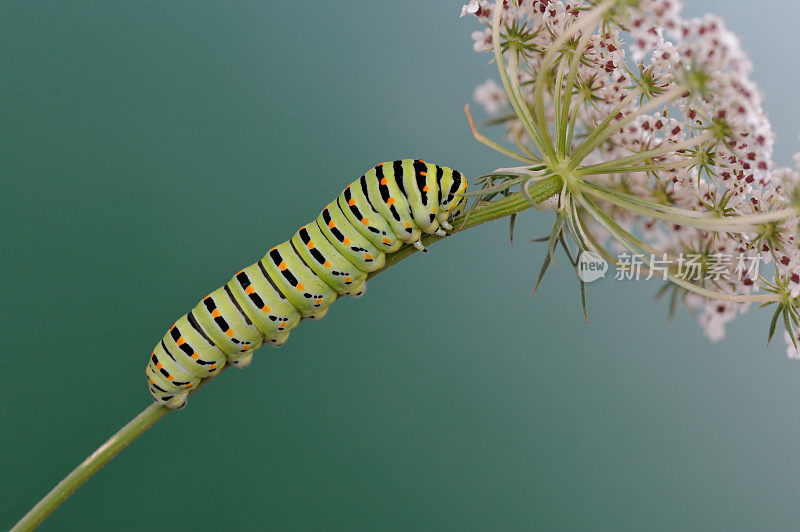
(392, 204)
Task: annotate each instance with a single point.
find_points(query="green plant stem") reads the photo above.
(538, 191)
(90, 466)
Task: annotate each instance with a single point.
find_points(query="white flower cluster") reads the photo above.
(659, 135)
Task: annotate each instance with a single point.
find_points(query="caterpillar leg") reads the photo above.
(279, 340)
(452, 186)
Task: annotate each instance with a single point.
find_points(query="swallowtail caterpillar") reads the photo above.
(392, 204)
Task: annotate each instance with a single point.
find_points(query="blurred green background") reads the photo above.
(149, 149)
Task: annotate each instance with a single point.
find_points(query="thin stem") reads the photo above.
(586, 170)
(90, 466)
(757, 219)
(666, 147)
(700, 220)
(516, 136)
(565, 140)
(505, 185)
(599, 128)
(501, 67)
(636, 200)
(492, 144)
(571, 128)
(581, 25)
(614, 230)
(521, 170)
(601, 135)
(558, 102)
(544, 143)
(540, 191)
(595, 244)
(708, 224)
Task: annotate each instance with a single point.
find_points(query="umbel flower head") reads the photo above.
(657, 135)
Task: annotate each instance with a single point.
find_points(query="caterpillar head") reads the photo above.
(453, 185)
(460, 205)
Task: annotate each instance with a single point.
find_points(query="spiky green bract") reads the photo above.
(787, 308)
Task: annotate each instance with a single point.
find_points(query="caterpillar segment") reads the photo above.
(327, 263)
(266, 305)
(392, 204)
(358, 209)
(356, 248)
(390, 201)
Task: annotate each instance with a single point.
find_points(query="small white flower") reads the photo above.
(471, 8)
(482, 40)
(791, 350)
(478, 8)
(490, 95)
